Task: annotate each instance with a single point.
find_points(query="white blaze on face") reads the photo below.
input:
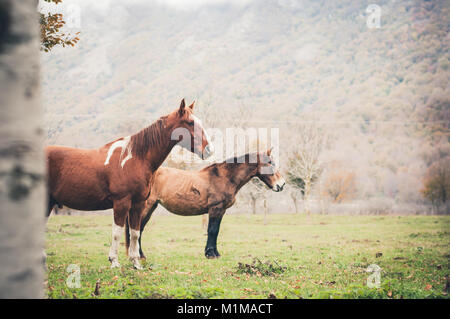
(268, 169)
(124, 144)
(199, 124)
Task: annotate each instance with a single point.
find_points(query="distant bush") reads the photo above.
(437, 185)
(340, 185)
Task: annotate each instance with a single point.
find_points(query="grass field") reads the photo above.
(293, 256)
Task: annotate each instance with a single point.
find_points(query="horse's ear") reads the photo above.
(269, 151)
(181, 110)
(192, 105)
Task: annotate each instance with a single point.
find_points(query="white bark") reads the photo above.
(22, 168)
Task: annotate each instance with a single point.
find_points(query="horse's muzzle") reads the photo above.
(278, 187)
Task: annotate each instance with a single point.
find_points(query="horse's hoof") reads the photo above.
(115, 264)
(136, 264)
(209, 253)
(143, 257)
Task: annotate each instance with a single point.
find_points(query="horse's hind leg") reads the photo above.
(144, 222)
(121, 209)
(134, 219)
(215, 217)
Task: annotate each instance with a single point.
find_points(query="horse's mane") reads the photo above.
(240, 159)
(148, 137)
(233, 161)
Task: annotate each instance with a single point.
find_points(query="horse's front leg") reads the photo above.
(215, 217)
(134, 219)
(121, 208)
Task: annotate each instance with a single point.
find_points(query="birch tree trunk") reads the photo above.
(22, 166)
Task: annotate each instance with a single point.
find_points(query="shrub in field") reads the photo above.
(257, 267)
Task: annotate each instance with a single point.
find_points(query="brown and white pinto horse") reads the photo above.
(210, 191)
(118, 174)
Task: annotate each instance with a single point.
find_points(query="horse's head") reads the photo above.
(268, 172)
(187, 130)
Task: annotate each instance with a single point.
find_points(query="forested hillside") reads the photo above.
(381, 95)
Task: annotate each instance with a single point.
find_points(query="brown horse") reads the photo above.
(118, 175)
(209, 191)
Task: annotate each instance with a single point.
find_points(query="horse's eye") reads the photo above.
(191, 123)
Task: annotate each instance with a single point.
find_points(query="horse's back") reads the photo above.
(75, 178)
(56, 149)
(170, 179)
(62, 159)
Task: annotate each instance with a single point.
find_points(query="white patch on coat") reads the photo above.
(134, 244)
(123, 143)
(117, 232)
(133, 251)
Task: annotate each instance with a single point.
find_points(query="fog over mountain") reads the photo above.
(381, 94)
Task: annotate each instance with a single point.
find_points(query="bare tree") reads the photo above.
(295, 193)
(253, 191)
(22, 187)
(304, 164)
(211, 115)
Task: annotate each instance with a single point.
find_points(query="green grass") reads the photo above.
(313, 257)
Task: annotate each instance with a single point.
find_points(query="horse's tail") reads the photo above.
(127, 235)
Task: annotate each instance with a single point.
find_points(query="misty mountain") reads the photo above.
(382, 93)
